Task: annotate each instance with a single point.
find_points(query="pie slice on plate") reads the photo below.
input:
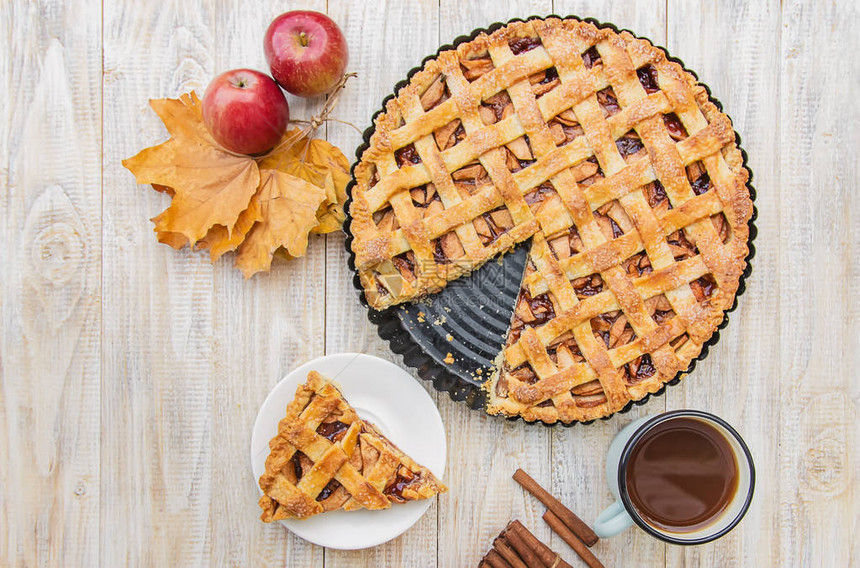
(325, 457)
(611, 157)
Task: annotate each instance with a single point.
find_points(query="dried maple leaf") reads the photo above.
(219, 240)
(223, 202)
(174, 240)
(288, 206)
(210, 186)
(332, 219)
(319, 163)
(163, 189)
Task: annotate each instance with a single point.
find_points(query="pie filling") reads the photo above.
(436, 94)
(608, 102)
(591, 58)
(674, 127)
(630, 145)
(330, 488)
(648, 78)
(476, 67)
(523, 44)
(341, 464)
(296, 462)
(407, 156)
(333, 431)
(544, 81)
(624, 217)
(403, 480)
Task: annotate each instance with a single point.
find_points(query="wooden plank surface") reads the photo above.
(196, 348)
(819, 242)
(371, 29)
(50, 291)
(156, 407)
(737, 378)
(131, 374)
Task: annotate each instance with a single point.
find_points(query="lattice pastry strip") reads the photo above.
(597, 129)
(616, 162)
(325, 457)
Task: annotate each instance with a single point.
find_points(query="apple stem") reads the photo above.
(303, 37)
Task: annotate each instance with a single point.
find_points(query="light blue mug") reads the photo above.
(622, 514)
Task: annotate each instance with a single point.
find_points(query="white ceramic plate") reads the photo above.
(386, 395)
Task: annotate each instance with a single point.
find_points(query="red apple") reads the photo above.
(245, 111)
(306, 52)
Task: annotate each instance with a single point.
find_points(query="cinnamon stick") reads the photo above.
(516, 542)
(508, 554)
(574, 523)
(570, 538)
(494, 560)
(547, 556)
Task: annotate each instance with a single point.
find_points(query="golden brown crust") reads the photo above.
(309, 472)
(598, 139)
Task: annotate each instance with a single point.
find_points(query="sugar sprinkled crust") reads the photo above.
(325, 457)
(562, 132)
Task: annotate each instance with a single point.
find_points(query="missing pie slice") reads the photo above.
(325, 457)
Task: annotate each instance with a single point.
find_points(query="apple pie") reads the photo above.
(325, 457)
(605, 153)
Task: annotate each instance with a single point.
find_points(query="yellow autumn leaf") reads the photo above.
(283, 254)
(219, 240)
(174, 240)
(210, 186)
(163, 189)
(315, 160)
(222, 202)
(332, 218)
(307, 172)
(288, 206)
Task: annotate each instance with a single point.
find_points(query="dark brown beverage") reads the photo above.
(681, 475)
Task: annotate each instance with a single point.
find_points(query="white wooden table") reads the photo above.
(130, 374)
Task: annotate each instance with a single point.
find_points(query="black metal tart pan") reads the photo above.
(470, 317)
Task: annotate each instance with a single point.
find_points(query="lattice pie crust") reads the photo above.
(616, 164)
(325, 457)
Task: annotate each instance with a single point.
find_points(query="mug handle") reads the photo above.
(612, 521)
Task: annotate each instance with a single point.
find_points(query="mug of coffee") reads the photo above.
(685, 477)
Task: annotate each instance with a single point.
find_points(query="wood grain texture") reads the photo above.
(196, 347)
(50, 293)
(157, 390)
(262, 329)
(372, 29)
(819, 461)
(131, 374)
(737, 381)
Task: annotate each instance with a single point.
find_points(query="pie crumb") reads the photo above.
(449, 337)
(449, 359)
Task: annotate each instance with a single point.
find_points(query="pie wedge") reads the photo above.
(611, 158)
(325, 457)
